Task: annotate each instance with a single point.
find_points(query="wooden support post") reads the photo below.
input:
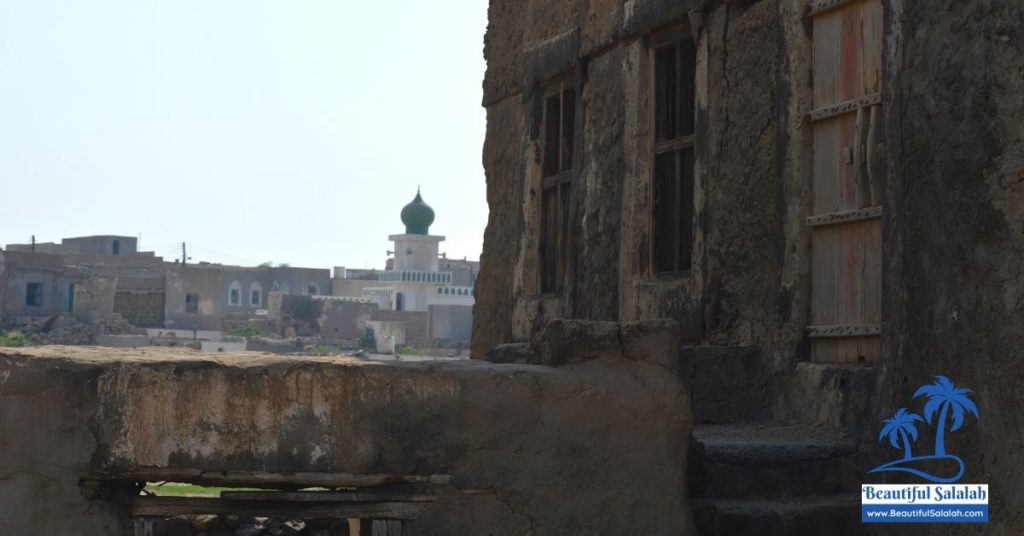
(860, 137)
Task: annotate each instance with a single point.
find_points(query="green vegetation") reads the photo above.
(244, 331)
(409, 350)
(13, 339)
(325, 349)
(175, 489)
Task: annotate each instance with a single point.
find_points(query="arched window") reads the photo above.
(256, 294)
(235, 294)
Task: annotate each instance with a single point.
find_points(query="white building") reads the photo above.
(416, 283)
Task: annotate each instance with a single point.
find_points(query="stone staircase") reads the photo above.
(749, 475)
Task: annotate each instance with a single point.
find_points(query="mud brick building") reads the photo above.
(827, 195)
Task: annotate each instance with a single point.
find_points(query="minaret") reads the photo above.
(417, 249)
(416, 266)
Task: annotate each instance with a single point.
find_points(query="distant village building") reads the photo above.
(421, 297)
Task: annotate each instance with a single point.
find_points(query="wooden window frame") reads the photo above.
(556, 183)
(682, 143)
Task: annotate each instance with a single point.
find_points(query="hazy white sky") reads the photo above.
(284, 130)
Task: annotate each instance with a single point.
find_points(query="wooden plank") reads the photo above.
(851, 268)
(851, 50)
(827, 160)
(826, 60)
(323, 496)
(264, 479)
(845, 177)
(871, 309)
(836, 109)
(825, 350)
(845, 216)
(873, 38)
(824, 274)
(851, 252)
(860, 165)
(174, 506)
(836, 331)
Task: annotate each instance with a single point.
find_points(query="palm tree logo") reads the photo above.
(944, 399)
(901, 426)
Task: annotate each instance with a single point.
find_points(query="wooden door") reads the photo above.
(848, 185)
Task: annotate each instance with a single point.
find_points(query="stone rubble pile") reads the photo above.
(64, 329)
(59, 329)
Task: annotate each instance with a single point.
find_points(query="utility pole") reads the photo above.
(183, 257)
(33, 243)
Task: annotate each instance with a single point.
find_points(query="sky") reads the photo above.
(291, 131)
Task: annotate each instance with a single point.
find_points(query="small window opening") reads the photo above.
(34, 294)
(191, 303)
(559, 124)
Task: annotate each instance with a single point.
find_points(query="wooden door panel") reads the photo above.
(851, 50)
(826, 58)
(825, 276)
(846, 219)
(871, 18)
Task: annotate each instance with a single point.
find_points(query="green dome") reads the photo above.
(417, 216)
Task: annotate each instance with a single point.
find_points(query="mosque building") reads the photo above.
(415, 281)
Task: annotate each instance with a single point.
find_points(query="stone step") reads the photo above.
(728, 384)
(832, 515)
(767, 461)
(843, 397)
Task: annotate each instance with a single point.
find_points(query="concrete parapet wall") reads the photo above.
(596, 446)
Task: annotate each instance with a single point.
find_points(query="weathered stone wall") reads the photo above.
(141, 309)
(748, 285)
(94, 298)
(529, 436)
(954, 287)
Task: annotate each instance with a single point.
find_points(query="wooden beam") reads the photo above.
(173, 506)
(845, 107)
(844, 330)
(843, 216)
(259, 479)
(323, 496)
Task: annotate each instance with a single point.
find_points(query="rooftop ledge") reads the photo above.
(534, 433)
